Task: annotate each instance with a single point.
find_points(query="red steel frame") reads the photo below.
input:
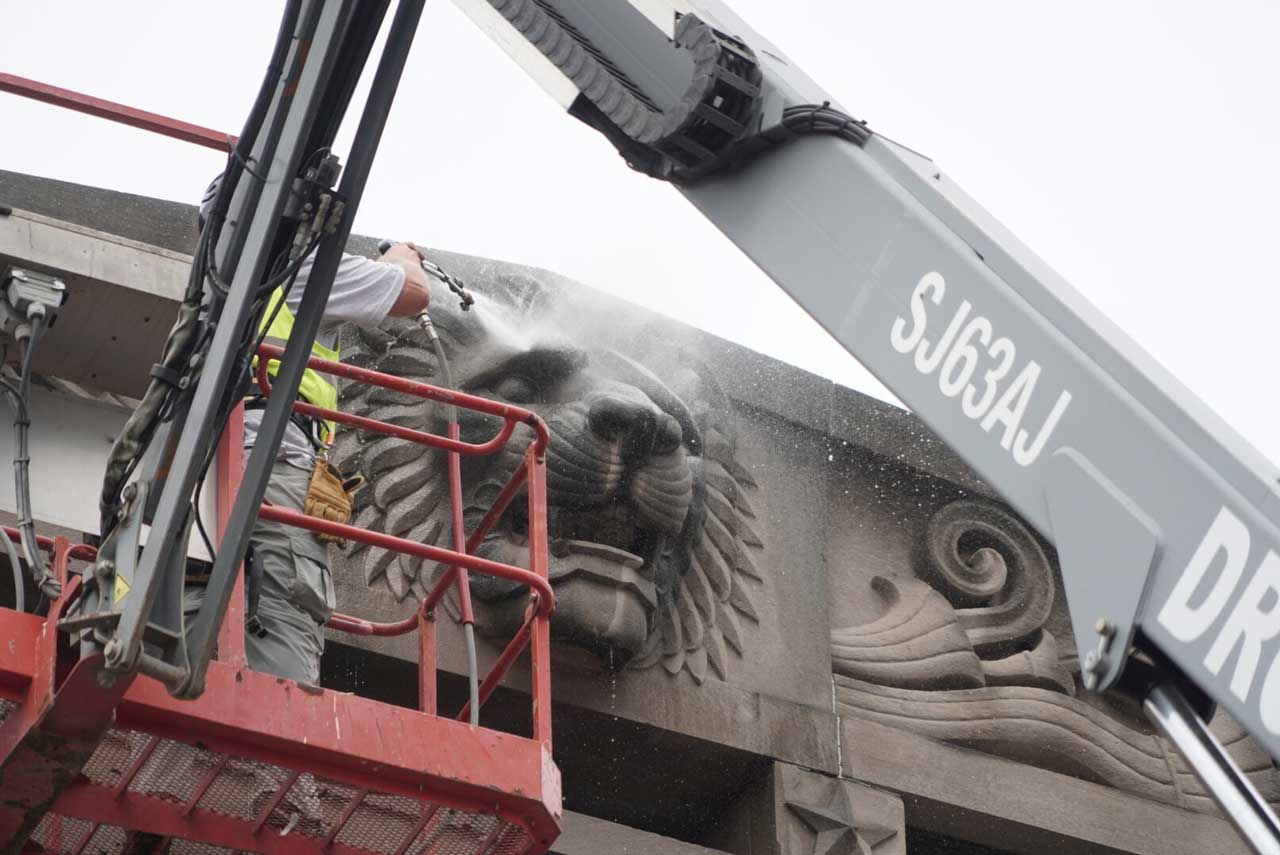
(111, 111)
(371, 746)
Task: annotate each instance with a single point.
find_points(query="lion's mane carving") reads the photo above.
(651, 523)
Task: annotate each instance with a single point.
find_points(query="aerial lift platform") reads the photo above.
(262, 764)
(155, 744)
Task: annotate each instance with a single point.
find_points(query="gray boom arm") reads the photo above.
(1165, 522)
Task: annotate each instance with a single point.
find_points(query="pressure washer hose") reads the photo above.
(455, 480)
(459, 530)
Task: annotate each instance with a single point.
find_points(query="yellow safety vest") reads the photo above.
(315, 388)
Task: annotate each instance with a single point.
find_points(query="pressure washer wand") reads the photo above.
(433, 269)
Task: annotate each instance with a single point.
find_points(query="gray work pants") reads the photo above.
(297, 594)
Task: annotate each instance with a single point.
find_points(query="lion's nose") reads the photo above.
(639, 426)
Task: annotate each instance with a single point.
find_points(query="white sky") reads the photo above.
(1131, 144)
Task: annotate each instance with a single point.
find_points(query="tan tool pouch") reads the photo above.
(329, 497)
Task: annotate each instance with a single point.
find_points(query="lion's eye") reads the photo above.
(517, 390)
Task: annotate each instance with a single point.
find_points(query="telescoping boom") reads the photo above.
(1165, 522)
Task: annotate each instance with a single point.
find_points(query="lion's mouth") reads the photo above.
(609, 545)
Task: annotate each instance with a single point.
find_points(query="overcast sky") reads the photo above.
(1131, 144)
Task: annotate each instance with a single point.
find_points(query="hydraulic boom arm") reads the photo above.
(1165, 522)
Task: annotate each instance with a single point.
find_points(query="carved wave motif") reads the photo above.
(1039, 666)
(916, 644)
(920, 643)
(1057, 732)
(970, 663)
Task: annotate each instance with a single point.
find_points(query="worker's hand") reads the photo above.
(416, 292)
(403, 253)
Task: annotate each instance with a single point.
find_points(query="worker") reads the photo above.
(295, 585)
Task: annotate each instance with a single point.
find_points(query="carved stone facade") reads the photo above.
(825, 816)
(657, 543)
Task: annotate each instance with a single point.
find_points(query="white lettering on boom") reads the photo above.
(974, 364)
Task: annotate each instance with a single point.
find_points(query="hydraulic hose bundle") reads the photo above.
(28, 336)
(179, 364)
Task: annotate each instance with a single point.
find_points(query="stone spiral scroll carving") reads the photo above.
(993, 569)
(652, 524)
(964, 658)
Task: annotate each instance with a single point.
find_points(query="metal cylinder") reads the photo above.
(1222, 778)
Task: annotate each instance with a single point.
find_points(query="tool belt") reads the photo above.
(330, 497)
(312, 429)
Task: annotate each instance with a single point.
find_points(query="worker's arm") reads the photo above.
(416, 292)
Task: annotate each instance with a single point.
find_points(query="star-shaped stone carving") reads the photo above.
(838, 831)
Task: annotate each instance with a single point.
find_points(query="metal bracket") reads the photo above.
(115, 570)
(1106, 546)
(1097, 663)
(94, 620)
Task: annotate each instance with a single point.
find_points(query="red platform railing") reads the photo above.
(114, 112)
(531, 474)
(410, 783)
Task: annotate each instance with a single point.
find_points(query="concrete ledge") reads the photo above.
(122, 299)
(106, 258)
(1010, 806)
(155, 222)
(586, 835)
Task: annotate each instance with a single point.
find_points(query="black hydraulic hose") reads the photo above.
(15, 564)
(40, 574)
(275, 70)
(241, 153)
(203, 630)
(15, 561)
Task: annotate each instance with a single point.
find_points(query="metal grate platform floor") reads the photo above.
(247, 804)
(215, 775)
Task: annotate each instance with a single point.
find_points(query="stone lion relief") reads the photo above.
(961, 654)
(651, 523)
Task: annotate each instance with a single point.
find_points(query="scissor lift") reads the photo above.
(264, 764)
